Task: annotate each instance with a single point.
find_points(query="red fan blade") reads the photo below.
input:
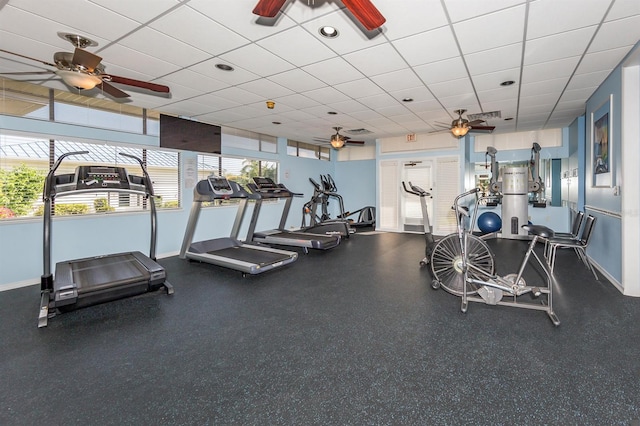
(350, 142)
(268, 8)
(365, 12)
(87, 59)
(27, 57)
(475, 122)
(137, 83)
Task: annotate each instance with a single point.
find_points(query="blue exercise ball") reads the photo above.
(489, 222)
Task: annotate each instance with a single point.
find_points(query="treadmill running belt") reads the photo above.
(108, 271)
(258, 257)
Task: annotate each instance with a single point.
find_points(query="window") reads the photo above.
(24, 164)
(308, 150)
(252, 141)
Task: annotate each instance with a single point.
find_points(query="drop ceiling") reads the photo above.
(442, 54)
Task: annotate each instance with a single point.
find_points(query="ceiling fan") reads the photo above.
(461, 126)
(338, 141)
(363, 10)
(83, 70)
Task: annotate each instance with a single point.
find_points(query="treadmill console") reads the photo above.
(99, 178)
(265, 184)
(220, 186)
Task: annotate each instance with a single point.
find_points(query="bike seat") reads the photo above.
(539, 230)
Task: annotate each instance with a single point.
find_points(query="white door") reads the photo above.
(419, 173)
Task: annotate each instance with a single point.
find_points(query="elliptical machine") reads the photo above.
(428, 235)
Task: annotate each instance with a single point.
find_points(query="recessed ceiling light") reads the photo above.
(407, 100)
(276, 122)
(507, 83)
(328, 32)
(332, 113)
(508, 119)
(224, 67)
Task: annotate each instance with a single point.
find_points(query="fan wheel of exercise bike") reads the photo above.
(446, 263)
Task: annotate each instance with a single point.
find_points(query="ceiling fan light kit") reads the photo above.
(83, 70)
(337, 141)
(79, 80)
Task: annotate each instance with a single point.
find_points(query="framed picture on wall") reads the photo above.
(602, 145)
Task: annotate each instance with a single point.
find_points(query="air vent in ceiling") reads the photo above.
(358, 131)
(484, 115)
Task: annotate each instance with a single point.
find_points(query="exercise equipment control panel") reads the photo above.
(99, 178)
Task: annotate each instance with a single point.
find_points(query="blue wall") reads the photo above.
(605, 248)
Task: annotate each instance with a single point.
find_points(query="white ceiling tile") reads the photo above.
(236, 15)
(265, 88)
(195, 81)
(437, 72)
(549, 70)
(498, 94)
(333, 71)
(601, 60)
(408, 17)
(557, 46)
(490, 31)
(257, 60)
(140, 11)
(238, 95)
(380, 100)
(155, 43)
(297, 80)
(593, 79)
(136, 61)
(578, 94)
(413, 55)
(461, 10)
(501, 58)
(238, 76)
(418, 94)
(358, 88)
(395, 110)
(450, 88)
(623, 32)
(40, 33)
(397, 80)
(349, 106)
(296, 101)
(492, 80)
(351, 38)
(548, 17)
(297, 46)
(326, 95)
(202, 32)
(376, 60)
(103, 23)
(431, 46)
(623, 8)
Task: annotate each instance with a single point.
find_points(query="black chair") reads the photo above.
(575, 227)
(579, 245)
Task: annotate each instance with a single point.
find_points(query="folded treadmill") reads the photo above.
(92, 280)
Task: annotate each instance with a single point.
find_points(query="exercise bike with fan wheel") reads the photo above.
(463, 264)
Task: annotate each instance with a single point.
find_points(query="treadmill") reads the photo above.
(267, 189)
(89, 281)
(229, 252)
